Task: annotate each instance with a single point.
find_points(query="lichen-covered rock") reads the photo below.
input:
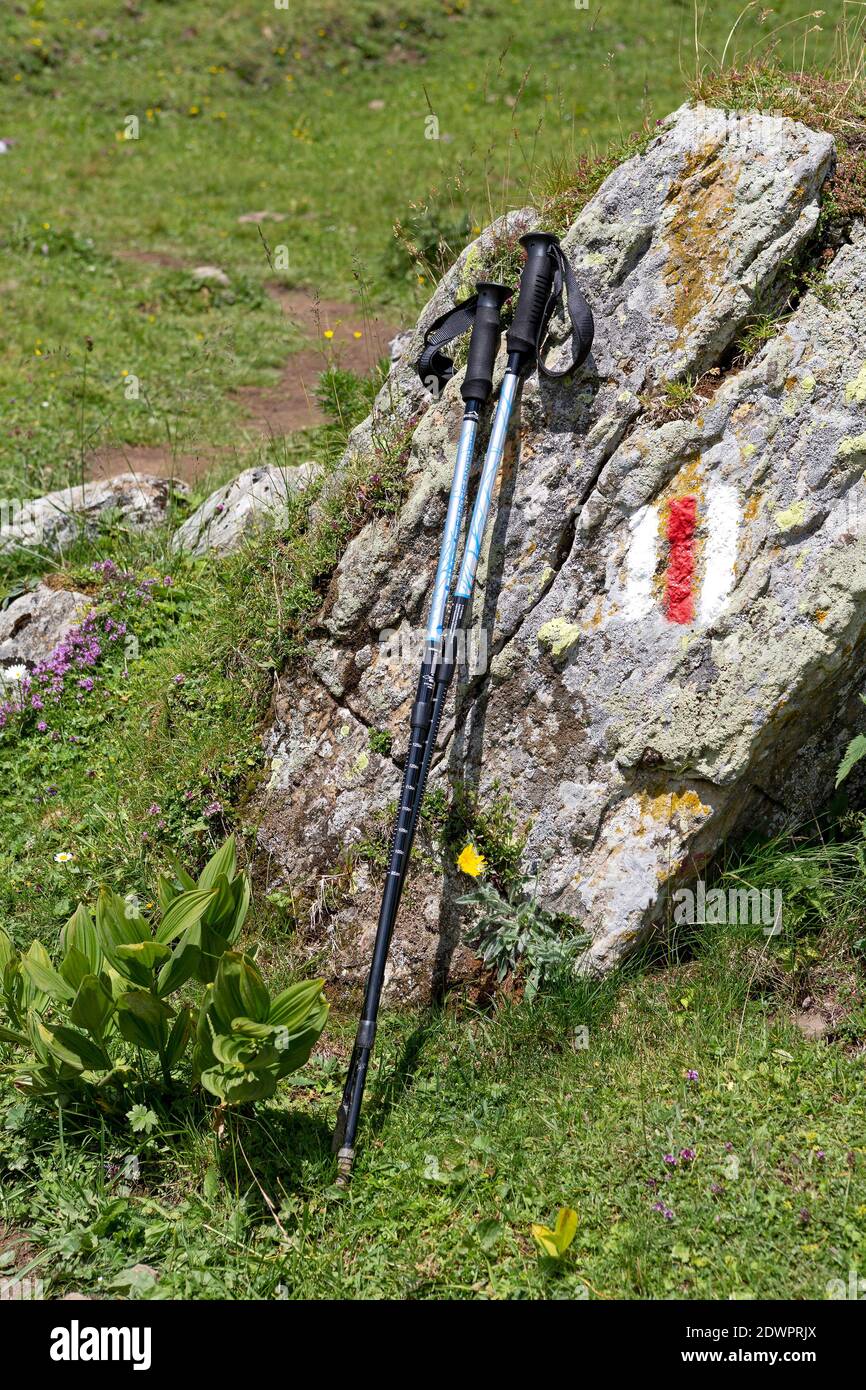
(717, 582)
(231, 512)
(51, 523)
(32, 624)
(666, 608)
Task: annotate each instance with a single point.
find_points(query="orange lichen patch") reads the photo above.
(594, 619)
(753, 506)
(822, 615)
(698, 240)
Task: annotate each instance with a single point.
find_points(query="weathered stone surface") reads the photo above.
(648, 691)
(253, 497)
(53, 522)
(649, 740)
(32, 624)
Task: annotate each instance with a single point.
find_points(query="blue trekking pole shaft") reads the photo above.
(530, 319)
(476, 388)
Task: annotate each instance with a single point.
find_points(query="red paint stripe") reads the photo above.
(679, 600)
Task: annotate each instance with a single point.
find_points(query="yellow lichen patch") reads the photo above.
(360, 764)
(856, 389)
(698, 239)
(558, 636)
(669, 804)
(791, 516)
(854, 444)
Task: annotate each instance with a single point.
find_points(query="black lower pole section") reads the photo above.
(353, 1093)
(436, 674)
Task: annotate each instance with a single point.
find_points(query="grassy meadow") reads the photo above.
(711, 1145)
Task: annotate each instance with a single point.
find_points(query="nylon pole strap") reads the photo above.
(582, 327)
(433, 364)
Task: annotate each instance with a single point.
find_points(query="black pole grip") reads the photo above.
(536, 282)
(484, 343)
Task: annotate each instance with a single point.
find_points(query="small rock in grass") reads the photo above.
(210, 275)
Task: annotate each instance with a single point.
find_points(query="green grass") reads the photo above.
(479, 1124)
(243, 109)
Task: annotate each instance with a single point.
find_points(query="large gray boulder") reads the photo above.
(32, 624)
(53, 522)
(254, 497)
(668, 608)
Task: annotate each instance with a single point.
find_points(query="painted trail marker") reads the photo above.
(696, 579)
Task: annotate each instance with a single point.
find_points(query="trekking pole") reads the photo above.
(483, 313)
(524, 341)
(544, 275)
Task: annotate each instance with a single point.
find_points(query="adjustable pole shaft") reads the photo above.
(401, 846)
(476, 388)
(440, 658)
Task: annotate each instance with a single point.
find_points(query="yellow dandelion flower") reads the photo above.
(470, 862)
(328, 333)
(357, 334)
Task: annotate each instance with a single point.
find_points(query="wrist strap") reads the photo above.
(433, 362)
(582, 323)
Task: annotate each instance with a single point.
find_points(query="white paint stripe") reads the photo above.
(721, 528)
(638, 599)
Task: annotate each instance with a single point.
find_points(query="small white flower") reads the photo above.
(63, 857)
(13, 675)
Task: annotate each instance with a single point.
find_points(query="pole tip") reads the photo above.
(345, 1159)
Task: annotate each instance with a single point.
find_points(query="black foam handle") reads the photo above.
(536, 282)
(484, 343)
